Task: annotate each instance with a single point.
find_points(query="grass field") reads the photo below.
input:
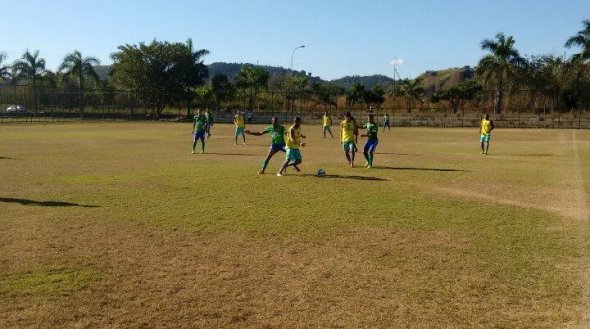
(118, 225)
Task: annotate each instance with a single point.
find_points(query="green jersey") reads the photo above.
(277, 134)
(200, 121)
(372, 130)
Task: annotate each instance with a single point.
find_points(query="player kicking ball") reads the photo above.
(277, 137)
(293, 143)
(372, 140)
(347, 138)
(199, 122)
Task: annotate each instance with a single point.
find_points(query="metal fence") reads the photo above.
(63, 105)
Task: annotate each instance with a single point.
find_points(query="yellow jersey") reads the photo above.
(326, 121)
(239, 121)
(485, 127)
(293, 143)
(347, 133)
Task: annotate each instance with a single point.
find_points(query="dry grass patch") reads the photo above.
(175, 239)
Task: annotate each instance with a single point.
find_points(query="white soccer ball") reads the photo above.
(321, 172)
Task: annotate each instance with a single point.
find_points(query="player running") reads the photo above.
(277, 137)
(372, 140)
(386, 122)
(485, 129)
(347, 138)
(240, 126)
(199, 122)
(208, 123)
(294, 137)
(326, 123)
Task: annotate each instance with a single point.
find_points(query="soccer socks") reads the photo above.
(194, 146)
(370, 159)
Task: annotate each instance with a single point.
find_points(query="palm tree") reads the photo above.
(4, 69)
(78, 68)
(31, 66)
(195, 73)
(582, 40)
(500, 65)
(412, 90)
(580, 60)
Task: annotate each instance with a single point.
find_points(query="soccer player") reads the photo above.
(294, 137)
(199, 121)
(372, 140)
(277, 137)
(386, 122)
(209, 122)
(326, 123)
(485, 129)
(240, 126)
(347, 138)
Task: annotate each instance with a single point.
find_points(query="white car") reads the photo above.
(16, 109)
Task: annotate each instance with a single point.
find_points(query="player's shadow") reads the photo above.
(422, 169)
(353, 177)
(402, 154)
(233, 154)
(27, 202)
(6, 158)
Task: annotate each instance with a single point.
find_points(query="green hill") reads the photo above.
(445, 79)
(432, 80)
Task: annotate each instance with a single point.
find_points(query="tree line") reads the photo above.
(163, 74)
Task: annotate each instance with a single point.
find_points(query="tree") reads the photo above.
(222, 89)
(325, 93)
(579, 87)
(251, 79)
(161, 73)
(77, 68)
(193, 73)
(411, 90)
(375, 96)
(5, 70)
(500, 66)
(293, 86)
(456, 96)
(355, 94)
(32, 67)
(543, 75)
(582, 40)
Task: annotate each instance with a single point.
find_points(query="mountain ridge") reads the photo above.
(432, 79)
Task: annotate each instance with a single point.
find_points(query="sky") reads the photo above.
(341, 37)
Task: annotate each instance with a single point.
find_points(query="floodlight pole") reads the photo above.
(293, 53)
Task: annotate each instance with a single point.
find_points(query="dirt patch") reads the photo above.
(555, 200)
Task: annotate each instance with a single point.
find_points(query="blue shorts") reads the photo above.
(386, 124)
(277, 147)
(371, 146)
(293, 155)
(484, 138)
(240, 131)
(348, 146)
(199, 135)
